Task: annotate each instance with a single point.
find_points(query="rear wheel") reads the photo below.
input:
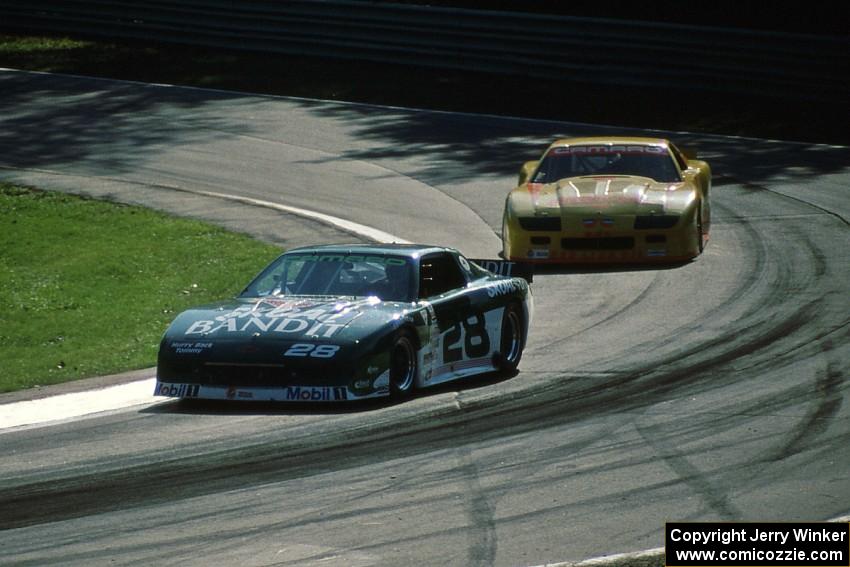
(510, 344)
(403, 365)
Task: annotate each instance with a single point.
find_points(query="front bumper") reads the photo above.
(601, 244)
(265, 393)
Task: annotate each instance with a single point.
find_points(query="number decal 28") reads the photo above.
(472, 332)
(302, 350)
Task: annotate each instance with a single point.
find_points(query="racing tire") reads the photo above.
(700, 232)
(404, 365)
(511, 340)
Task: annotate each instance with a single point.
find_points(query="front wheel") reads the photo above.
(510, 344)
(403, 365)
(700, 233)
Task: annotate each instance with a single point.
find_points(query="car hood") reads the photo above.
(609, 195)
(286, 318)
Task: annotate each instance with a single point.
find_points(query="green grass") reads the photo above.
(87, 287)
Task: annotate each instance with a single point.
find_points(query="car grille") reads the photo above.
(248, 374)
(655, 222)
(609, 243)
(228, 374)
(540, 223)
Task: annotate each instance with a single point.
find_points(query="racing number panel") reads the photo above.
(461, 317)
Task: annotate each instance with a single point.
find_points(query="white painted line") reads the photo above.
(359, 229)
(351, 227)
(77, 404)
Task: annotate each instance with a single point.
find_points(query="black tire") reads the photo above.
(699, 229)
(511, 341)
(404, 365)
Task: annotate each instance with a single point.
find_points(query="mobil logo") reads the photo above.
(311, 394)
(177, 390)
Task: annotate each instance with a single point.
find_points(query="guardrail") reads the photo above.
(582, 50)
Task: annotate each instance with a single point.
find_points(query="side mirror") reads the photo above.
(525, 171)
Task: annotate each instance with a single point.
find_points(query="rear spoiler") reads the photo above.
(507, 268)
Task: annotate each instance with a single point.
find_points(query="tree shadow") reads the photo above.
(472, 157)
(453, 148)
(112, 124)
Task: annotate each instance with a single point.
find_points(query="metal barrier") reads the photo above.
(584, 50)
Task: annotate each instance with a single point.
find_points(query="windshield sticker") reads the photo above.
(606, 150)
(386, 260)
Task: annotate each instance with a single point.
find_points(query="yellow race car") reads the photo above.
(610, 200)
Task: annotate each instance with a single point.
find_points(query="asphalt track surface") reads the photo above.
(714, 390)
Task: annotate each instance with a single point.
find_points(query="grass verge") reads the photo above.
(87, 287)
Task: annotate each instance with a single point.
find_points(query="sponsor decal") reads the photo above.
(267, 316)
(189, 347)
(505, 287)
(507, 268)
(233, 393)
(463, 263)
(498, 267)
(314, 394)
(177, 390)
(538, 254)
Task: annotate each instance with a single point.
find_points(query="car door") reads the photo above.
(462, 341)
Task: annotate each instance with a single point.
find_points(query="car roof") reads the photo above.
(395, 249)
(611, 140)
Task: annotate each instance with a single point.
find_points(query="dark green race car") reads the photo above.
(349, 322)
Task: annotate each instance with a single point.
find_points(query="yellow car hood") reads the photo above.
(620, 195)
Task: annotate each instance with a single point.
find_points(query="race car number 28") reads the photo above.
(466, 336)
(302, 350)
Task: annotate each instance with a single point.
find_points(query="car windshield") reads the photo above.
(654, 162)
(361, 275)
